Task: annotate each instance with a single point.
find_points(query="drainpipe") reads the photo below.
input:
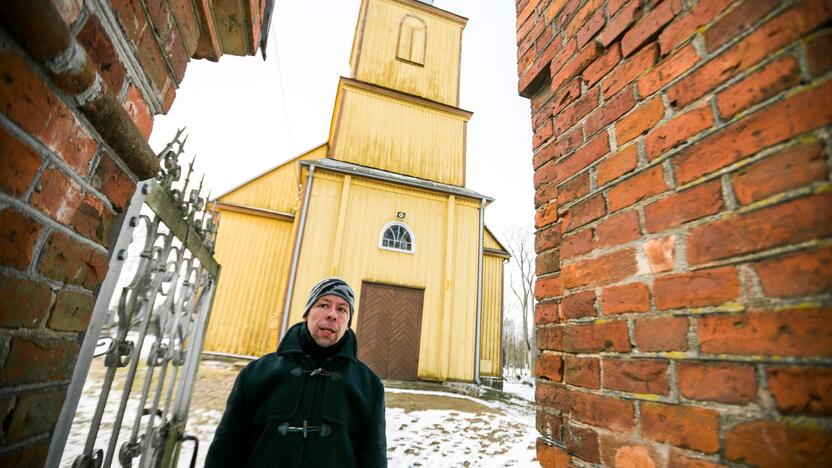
(479, 296)
(296, 253)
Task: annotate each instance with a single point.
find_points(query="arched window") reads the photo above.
(412, 37)
(397, 236)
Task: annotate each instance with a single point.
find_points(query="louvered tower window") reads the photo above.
(412, 37)
(397, 236)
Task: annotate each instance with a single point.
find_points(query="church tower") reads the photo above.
(398, 111)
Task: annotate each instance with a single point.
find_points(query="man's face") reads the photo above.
(327, 320)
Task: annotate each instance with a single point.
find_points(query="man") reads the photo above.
(310, 404)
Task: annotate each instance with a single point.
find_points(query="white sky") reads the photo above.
(236, 110)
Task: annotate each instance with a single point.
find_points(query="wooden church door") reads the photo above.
(389, 327)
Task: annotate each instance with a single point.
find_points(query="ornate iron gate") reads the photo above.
(155, 339)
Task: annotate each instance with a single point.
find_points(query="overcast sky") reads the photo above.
(245, 116)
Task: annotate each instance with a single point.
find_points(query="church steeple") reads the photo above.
(398, 111)
(410, 46)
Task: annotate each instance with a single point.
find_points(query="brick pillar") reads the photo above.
(682, 174)
(79, 85)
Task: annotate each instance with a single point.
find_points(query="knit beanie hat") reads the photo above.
(331, 286)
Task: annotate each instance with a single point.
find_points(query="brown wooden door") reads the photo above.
(389, 327)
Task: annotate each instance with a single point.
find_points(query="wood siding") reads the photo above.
(492, 317)
(254, 253)
(373, 129)
(374, 52)
(445, 268)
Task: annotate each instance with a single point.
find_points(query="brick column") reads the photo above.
(682, 174)
(79, 85)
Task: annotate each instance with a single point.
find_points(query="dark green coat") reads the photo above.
(283, 387)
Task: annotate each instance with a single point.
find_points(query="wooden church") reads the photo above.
(383, 205)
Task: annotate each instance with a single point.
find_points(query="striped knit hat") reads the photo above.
(331, 286)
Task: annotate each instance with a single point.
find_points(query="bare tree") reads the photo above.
(520, 244)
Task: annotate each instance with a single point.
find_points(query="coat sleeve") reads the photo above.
(373, 448)
(232, 444)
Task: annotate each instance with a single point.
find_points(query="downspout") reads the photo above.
(296, 253)
(479, 296)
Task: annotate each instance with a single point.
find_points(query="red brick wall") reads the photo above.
(682, 174)
(62, 186)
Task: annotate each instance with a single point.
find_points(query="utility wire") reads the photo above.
(290, 149)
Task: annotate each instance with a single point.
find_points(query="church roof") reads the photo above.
(354, 169)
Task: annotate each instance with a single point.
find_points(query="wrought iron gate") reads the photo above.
(151, 346)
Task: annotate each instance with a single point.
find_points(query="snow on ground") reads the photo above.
(424, 428)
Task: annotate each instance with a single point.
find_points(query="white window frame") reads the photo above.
(393, 249)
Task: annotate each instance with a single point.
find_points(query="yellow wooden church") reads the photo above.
(383, 205)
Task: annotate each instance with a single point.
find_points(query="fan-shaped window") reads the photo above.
(397, 236)
(412, 37)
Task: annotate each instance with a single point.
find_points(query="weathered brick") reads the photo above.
(547, 424)
(69, 261)
(26, 100)
(720, 382)
(601, 411)
(682, 460)
(583, 443)
(621, 22)
(35, 413)
(576, 65)
(545, 215)
(643, 185)
(547, 262)
(100, 48)
(610, 112)
(696, 289)
(547, 238)
(605, 269)
(546, 312)
(639, 121)
(575, 112)
(578, 305)
(618, 229)
(801, 390)
(682, 426)
(549, 366)
(740, 19)
(581, 17)
(636, 375)
(799, 274)
(545, 193)
(817, 53)
(668, 70)
(545, 288)
(566, 144)
(627, 298)
(794, 167)
(574, 188)
(18, 234)
(38, 360)
(687, 24)
(627, 72)
(661, 253)
(650, 25)
(620, 163)
(678, 130)
(72, 311)
(589, 153)
(59, 196)
(661, 334)
(545, 174)
(549, 338)
(591, 28)
(780, 31)
(770, 443)
(620, 450)
(680, 207)
(551, 455)
(577, 244)
(541, 134)
(581, 371)
(113, 182)
(18, 166)
(602, 65)
(771, 79)
(25, 302)
(583, 212)
(795, 332)
(798, 221)
(596, 337)
(138, 110)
